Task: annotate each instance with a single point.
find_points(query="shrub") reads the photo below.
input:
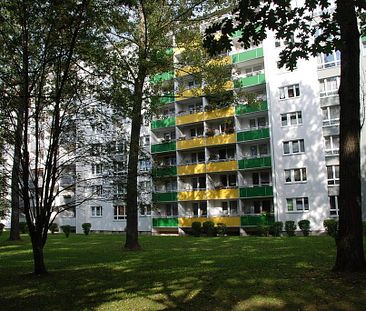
(208, 227)
(196, 228)
(290, 227)
(66, 229)
(23, 227)
(263, 230)
(331, 226)
(276, 228)
(86, 227)
(53, 228)
(221, 229)
(1, 228)
(304, 225)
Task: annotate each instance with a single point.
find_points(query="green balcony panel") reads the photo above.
(250, 81)
(255, 220)
(250, 108)
(165, 222)
(156, 124)
(167, 99)
(164, 171)
(247, 55)
(253, 135)
(162, 77)
(164, 147)
(164, 197)
(254, 163)
(259, 191)
(236, 34)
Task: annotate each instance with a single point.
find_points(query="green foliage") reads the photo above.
(86, 227)
(221, 229)
(276, 228)
(66, 229)
(23, 227)
(304, 225)
(331, 226)
(53, 228)
(263, 230)
(196, 228)
(208, 227)
(290, 227)
(2, 226)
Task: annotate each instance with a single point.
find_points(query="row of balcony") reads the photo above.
(213, 194)
(223, 139)
(237, 221)
(212, 167)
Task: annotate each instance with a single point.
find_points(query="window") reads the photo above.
(291, 118)
(97, 168)
(329, 86)
(229, 208)
(120, 212)
(226, 153)
(194, 108)
(333, 174)
(295, 175)
(293, 146)
(260, 150)
(228, 180)
(261, 179)
(197, 131)
(289, 91)
(199, 209)
(331, 115)
(329, 60)
(258, 123)
(258, 207)
(168, 136)
(171, 209)
(171, 186)
(145, 209)
(199, 183)
(198, 157)
(333, 206)
(97, 190)
(121, 147)
(120, 189)
(96, 211)
(145, 140)
(145, 186)
(119, 167)
(331, 145)
(144, 165)
(297, 204)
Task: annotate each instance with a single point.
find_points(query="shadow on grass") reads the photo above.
(174, 273)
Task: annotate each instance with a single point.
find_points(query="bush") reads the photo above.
(208, 227)
(304, 225)
(196, 228)
(290, 227)
(331, 226)
(86, 227)
(276, 228)
(263, 230)
(221, 229)
(1, 228)
(23, 227)
(66, 229)
(53, 228)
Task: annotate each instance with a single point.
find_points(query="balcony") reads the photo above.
(222, 194)
(223, 166)
(165, 222)
(189, 93)
(221, 139)
(250, 81)
(251, 108)
(247, 55)
(167, 98)
(162, 77)
(190, 118)
(228, 221)
(219, 113)
(167, 122)
(255, 220)
(191, 169)
(253, 135)
(254, 163)
(164, 171)
(164, 147)
(257, 191)
(164, 197)
(196, 195)
(191, 143)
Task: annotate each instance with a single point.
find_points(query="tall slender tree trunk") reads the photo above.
(38, 258)
(350, 253)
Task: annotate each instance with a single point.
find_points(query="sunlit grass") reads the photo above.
(178, 273)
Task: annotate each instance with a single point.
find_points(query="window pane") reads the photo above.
(293, 118)
(295, 146)
(299, 206)
(255, 177)
(263, 149)
(286, 147)
(284, 119)
(299, 116)
(306, 204)
(297, 90)
(297, 176)
(304, 174)
(290, 205)
(287, 175)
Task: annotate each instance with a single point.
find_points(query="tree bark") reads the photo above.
(38, 258)
(350, 253)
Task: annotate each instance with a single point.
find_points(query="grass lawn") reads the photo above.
(178, 273)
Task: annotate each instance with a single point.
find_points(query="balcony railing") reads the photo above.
(164, 197)
(163, 147)
(167, 122)
(255, 220)
(250, 108)
(252, 163)
(253, 135)
(250, 81)
(247, 55)
(257, 191)
(171, 222)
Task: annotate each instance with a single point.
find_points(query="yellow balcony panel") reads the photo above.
(228, 221)
(186, 71)
(190, 118)
(189, 94)
(191, 143)
(221, 166)
(198, 195)
(222, 194)
(221, 139)
(191, 169)
(220, 113)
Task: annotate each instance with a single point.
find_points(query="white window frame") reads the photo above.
(196, 133)
(334, 180)
(333, 212)
(291, 143)
(97, 168)
(173, 207)
(329, 121)
(116, 212)
(260, 179)
(198, 180)
(145, 210)
(333, 150)
(291, 174)
(227, 208)
(295, 208)
(325, 86)
(201, 209)
(323, 64)
(97, 190)
(289, 116)
(96, 211)
(285, 91)
(227, 176)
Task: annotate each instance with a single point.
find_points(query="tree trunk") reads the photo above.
(350, 253)
(37, 246)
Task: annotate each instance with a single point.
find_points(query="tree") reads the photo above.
(333, 29)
